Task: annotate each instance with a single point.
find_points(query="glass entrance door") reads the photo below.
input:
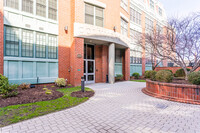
(89, 64)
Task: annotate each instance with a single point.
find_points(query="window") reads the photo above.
(52, 9)
(99, 17)
(135, 16)
(52, 48)
(124, 27)
(151, 4)
(124, 4)
(41, 8)
(27, 6)
(160, 11)
(11, 41)
(148, 24)
(94, 15)
(134, 34)
(118, 56)
(12, 3)
(27, 43)
(159, 28)
(40, 45)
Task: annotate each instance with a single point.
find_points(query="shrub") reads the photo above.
(180, 73)
(69, 85)
(169, 71)
(48, 92)
(7, 90)
(194, 78)
(136, 75)
(45, 89)
(146, 74)
(60, 82)
(24, 86)
(164, 76)
(150, 74)
(119, 76)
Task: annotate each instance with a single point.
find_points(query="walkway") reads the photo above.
(120, 107)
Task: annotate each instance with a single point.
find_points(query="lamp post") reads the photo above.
(82, 84)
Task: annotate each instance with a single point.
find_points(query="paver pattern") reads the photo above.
(120, 107)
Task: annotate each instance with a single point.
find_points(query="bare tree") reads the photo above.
(179, 43)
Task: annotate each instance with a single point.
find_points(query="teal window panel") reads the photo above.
(118, 68)
(27, 69)
(40, 45)
(13, 70)
(41, 69)
(136, 68)
(52, 48)
(27, 43)
(53, 69)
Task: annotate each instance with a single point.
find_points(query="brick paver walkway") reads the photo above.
(121, 107)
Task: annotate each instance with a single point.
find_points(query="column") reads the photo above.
(127, 64)
(111, 63)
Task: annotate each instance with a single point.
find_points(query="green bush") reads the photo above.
(7, 90)
(119, 76)
(150, 74)
(164, 76)
(169, 71)
(136, 75)
(180, 73)
(146, 74)
(60, 82)
(194, 78)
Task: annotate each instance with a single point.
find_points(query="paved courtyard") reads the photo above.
(120, 107)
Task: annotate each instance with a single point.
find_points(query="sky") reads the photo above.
(180, 8)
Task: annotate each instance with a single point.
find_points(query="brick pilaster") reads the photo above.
(1, 37)
(127, 64)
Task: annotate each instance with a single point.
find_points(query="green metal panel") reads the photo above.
(41, 69)
(53, 69)
(13, 69)
(136, 68)
(118, 68)
(27, 70)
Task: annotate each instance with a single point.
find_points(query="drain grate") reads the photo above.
(161, 106)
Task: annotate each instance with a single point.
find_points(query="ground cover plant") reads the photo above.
(15, 113)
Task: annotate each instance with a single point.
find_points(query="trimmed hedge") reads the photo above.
(164, 76)
(194, 78)
(150, 75)
(136, 75)
(180, 72)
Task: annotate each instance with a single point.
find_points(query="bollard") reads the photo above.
(82, 84)
(106, 78)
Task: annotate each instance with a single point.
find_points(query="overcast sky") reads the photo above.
(180, 7)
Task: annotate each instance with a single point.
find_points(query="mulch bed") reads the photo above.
(81, 94)
(32, 95)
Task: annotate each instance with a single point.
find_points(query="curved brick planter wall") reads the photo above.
(173, 92)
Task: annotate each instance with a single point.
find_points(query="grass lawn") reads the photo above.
(139, 80)
(15, 113)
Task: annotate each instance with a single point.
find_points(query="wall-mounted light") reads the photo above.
(66, 28)
(114, 28)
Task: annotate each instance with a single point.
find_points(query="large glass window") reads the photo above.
(41, 8)
(148, 24)
(124, 27)
(53, 9)
(27, 6)
(11, 41)
(94, 15)
(40, 45)
(134, 35)
(135, 16)
(151, 4)
(118, 56)
(12, 3)
(124, 4)
(27, 43)
(160, 11)
(52, 48)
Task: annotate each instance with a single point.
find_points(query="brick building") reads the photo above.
(41, 40)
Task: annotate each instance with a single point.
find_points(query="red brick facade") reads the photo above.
(127, 64)
(1, 37)
(77, 61)
(173, 92)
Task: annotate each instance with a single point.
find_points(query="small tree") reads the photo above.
(180, 42)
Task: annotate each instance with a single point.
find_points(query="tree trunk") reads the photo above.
(186, 74)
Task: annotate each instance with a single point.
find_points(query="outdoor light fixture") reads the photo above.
(66, 28)
(114, 28)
